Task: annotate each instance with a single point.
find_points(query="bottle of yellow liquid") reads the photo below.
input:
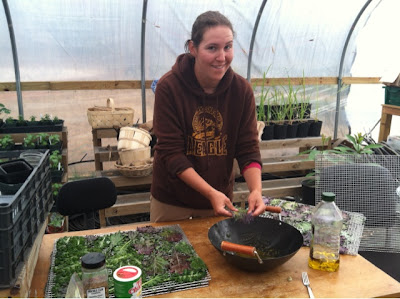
(327, 222)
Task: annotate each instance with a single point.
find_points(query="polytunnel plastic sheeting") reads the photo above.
(73, 40)
(65, 40)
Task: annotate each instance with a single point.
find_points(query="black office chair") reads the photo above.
(86, 197)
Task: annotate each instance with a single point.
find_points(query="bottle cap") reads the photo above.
(93, 260)
(328, 196)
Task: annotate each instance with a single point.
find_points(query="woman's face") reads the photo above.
(213, 56)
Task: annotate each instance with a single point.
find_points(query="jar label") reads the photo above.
(96, 293)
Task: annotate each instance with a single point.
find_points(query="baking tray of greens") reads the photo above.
(168, 261)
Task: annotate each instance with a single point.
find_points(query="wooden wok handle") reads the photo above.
(273, 209)
(229, 246)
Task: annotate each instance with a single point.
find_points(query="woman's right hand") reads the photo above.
(220, 203)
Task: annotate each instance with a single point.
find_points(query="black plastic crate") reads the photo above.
(21, 217)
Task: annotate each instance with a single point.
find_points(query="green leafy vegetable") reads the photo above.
(161, 254)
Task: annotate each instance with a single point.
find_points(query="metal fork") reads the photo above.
(306, 282)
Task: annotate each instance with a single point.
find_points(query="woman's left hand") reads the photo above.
(256, 204)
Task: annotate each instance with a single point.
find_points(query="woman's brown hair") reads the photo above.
(205, 21)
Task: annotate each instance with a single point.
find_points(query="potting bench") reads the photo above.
(138, 201)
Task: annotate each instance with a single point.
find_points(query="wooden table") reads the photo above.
(356, 278)
(386, 120)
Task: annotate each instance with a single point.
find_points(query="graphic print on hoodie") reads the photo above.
(207, 138)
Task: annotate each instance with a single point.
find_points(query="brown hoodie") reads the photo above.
(203, 131)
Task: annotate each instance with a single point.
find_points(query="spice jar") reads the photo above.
(94, 275)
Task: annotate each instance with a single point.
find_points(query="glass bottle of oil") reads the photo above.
(327, 222)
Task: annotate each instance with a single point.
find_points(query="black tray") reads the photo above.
(5, 129)
(15, 171)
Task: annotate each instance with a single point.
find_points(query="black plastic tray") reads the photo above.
(15, 171)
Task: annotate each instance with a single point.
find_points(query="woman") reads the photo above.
(204, 117)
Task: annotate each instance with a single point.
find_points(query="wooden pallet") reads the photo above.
(139, 202)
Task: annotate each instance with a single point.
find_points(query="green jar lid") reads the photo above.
(328, 196)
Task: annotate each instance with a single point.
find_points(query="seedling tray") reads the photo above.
(164, 251)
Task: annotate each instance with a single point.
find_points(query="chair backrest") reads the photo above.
(86, 196)
(369, 189)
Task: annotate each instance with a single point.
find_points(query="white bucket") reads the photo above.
(129, 156)
(133, 138)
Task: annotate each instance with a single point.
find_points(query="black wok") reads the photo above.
(275, 241)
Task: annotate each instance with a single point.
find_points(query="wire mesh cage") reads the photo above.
(367, 184)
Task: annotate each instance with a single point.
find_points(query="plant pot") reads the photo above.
(308, 191)
(268, 132)
(8, 147)
(315, 128)
(55, 147)
(15, 171)
(41, 146)
(32, 123)
(28, 147)
(56, 176)
(303, 128)
(35, 127)
(292, 130)
(56, 223)
(280, 131)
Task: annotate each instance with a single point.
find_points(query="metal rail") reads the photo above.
(15, 57)
(339, 83)
(142, 60)
(253, 37)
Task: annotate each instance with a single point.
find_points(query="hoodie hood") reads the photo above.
(184, 70)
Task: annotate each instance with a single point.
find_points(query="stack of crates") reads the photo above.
(21, 217)
(392, 95)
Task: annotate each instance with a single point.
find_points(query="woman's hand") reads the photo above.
(256, 204)
(219, 201)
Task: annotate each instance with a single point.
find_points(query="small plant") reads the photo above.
(263, 115)
(304, 104)
(55, 188)
(280, 105)
(357, 146)
(4, 110)
(56, 120)
(56, 220)
(54, 139)
(32, 118)
(10, 120)
(42, 139)
(55, 160)
(46, 119)
(6, 142)
(21, 121)
(30, 141)
(313, 152)
(56, 223)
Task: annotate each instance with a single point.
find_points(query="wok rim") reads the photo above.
(283, 257)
